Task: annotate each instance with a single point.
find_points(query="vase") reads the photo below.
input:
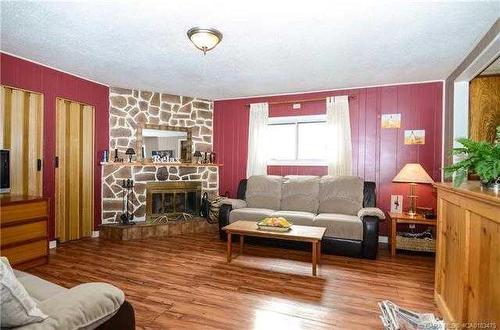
(491, 185)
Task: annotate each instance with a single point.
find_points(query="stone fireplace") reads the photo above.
(128, 110)
(166, 201)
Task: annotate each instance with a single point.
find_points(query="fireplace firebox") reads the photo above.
(168, 201)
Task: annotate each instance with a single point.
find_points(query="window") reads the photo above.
(297, 140)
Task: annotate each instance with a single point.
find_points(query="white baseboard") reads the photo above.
(52, 244)
(95, 233)
(383, 239)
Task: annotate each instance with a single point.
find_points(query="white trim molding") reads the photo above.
(54, 68)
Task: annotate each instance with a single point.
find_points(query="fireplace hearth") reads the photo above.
(170, 201)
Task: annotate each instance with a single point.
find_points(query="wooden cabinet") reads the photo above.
(467, 287)
(23, 230)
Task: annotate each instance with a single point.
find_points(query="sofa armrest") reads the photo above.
(371, 211)
(224, 211)
(235, 203)
(370, 236)
(83, 306)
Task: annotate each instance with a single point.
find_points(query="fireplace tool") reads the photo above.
(127, 217)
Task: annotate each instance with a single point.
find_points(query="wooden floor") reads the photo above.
(184, 282)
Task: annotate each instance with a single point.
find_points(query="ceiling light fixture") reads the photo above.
(204, 39)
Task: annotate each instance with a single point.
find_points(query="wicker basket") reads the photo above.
(416, 244)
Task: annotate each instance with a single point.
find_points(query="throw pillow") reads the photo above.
(18, 308)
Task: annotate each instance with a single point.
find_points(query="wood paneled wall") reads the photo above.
(21, 129)
(484, 109)
(20, 73)
(74, 174)
(378, 154)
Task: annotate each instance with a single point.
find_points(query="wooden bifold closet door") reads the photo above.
(74, 198)
(21, 129)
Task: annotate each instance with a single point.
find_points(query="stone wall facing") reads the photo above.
(114, 174)
(129, 108)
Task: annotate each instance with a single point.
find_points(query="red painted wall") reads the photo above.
(16, 72)
(378, 154)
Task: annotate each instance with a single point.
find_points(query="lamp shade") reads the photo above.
(413, 173)
(197, 154)
(130, 151)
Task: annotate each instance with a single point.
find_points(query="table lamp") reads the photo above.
(413, 174)
(130, 152)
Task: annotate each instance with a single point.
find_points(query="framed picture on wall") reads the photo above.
(391, 120)
(415, 136)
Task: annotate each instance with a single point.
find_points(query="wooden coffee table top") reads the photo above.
(297, 233)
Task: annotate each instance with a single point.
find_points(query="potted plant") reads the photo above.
(479, 157)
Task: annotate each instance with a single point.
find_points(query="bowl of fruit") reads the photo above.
(275, 224)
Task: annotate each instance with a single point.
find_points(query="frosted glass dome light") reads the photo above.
(204, 39)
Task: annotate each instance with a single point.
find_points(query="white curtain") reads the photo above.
(257, 139)
(339, 136)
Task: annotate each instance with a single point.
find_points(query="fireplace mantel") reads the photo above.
(158, 164)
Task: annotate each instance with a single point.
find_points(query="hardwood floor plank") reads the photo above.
(184, 282)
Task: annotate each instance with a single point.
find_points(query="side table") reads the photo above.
(395, 218)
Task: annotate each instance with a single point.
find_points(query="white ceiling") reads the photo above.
(269, 47)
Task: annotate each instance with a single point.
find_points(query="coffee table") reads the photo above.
(297, 233)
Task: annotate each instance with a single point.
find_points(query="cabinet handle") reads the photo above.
(38, 164)
(57, 162)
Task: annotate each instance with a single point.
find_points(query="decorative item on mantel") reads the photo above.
(105, 156)
(130, 152)
(118, 159)
(197, 155)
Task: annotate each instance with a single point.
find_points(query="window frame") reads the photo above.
(296, 120)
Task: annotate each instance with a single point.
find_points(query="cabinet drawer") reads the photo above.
(16, 212)
(23, 232)
(25, 252)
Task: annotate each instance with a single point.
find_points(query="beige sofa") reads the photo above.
(337, 203)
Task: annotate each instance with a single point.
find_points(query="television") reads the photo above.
(4, 171)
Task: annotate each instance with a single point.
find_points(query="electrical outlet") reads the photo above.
(296, 106)
(397, 203)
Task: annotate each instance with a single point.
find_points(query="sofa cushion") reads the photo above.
(38, 288)
(340, 194)
(249, 214)
(235, 203)
(340, 225)
(296, 217)
(18, 308)
(300, 193)
(84, 306)
(264, 191)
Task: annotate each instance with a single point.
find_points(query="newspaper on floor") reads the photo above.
(394, 317)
